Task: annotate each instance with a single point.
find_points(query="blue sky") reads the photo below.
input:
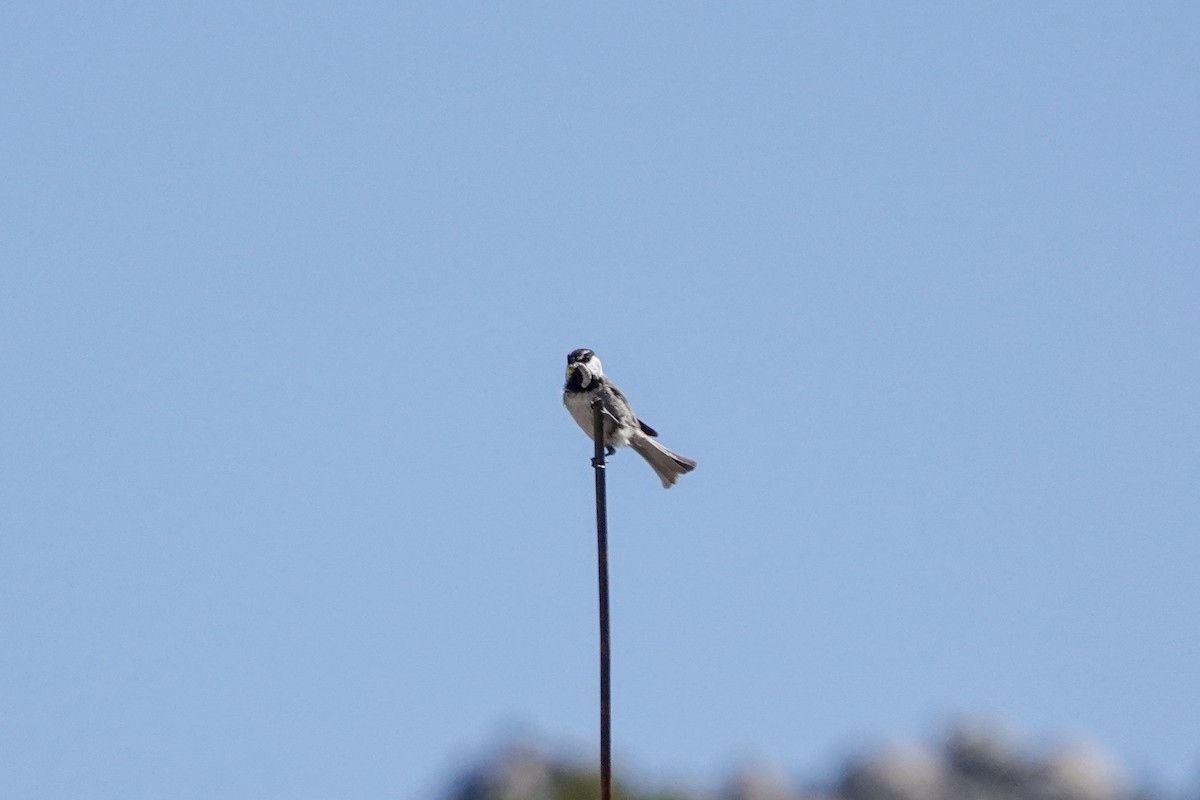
(290, 504)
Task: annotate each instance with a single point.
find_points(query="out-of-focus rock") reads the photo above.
(516, 774)
(976, 762)
(1080, 773)
(898, 772)
(760, 782)
(981, 754)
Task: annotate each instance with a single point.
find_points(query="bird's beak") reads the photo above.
(571, 370)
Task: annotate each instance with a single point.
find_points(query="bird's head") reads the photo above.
(584, 366)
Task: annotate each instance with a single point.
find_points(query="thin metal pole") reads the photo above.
(602, 560)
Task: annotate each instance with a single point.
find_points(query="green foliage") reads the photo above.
(585, 785)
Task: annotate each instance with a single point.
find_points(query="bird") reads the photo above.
(585, 382)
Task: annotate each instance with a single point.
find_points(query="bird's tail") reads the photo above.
(666, 464)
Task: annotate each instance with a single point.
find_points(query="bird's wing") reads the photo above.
(628, 411)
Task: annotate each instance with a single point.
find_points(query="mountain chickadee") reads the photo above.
(585, 382)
